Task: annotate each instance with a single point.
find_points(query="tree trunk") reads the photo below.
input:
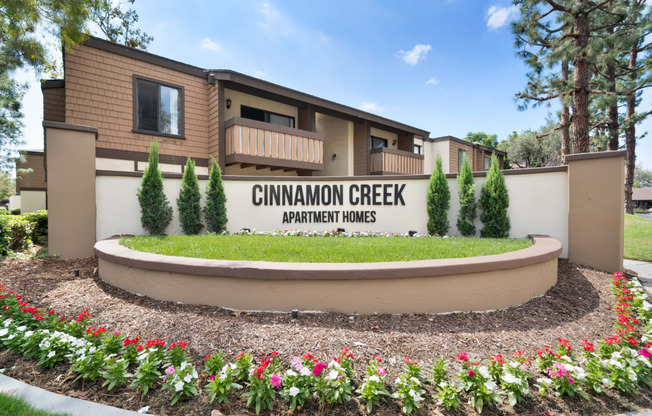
(581, 77)
(565, 115)
(612, 144)
(630, 134)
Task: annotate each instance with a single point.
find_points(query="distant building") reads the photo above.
(31, 188)
(642, 198)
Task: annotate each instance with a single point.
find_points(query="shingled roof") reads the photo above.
(642, 194)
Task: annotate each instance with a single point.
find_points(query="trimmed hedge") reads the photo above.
(17, 232)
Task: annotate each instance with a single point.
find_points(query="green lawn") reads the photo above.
(638, 238)
(16, 406)
(321, 249)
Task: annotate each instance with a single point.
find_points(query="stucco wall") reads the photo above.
(239, 98)
(431, 150)
(538, 205)
(31, 201)
(338, 141)
(388, 135)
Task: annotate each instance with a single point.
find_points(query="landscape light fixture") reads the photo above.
(412, 233)
(246, 230)
(228, 103)
(76, 273)
(340, 230)
(394, 142)
(295, 313)
(334, 156)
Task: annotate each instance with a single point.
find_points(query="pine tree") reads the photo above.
(466, 192)
(494, 201)
(155, 210)
(438, 201)
(215, 209)
(188, 201)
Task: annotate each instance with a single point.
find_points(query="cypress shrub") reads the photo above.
(215, 209)
(155, 210)
(466, 192)
(438, 200)
(188, 201)
(494, 201)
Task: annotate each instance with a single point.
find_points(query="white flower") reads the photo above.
(509, 378)
(178, 386)
(375, 378)
(334, 364)
(484, 371)
(21, 328)
(12, 336)
(332, 375)
(632, 363)
(545, 380)
(616, 355)
(194, 373)
(187, 378)
(3, 332)
(416, 380)
(51, 354)
(294, 391)
(183, 365)
(7, 323)
(490, 385)
(632, 375)
(615, 363)
(605, 381)
(304, 371)
(291, 373)
(29, 334)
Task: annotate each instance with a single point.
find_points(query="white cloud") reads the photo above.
(432, 81)
(259, 74)
(369, 106)
(209, 45)
(498, 17)
(273, 22)
(412, 57)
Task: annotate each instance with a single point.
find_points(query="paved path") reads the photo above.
(644, 271)
(646, 216)
(52, 402)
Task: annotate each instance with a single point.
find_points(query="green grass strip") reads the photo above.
(17, 406)
(321, 249)
(638, 238)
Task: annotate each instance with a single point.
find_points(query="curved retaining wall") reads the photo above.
(423, 286)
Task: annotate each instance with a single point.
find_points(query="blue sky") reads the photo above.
(446, 66)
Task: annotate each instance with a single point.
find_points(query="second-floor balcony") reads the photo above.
(265, 145)
(385, 161)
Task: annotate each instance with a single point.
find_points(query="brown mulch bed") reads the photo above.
(579, 307)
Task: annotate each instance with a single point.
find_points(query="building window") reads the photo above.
(159, 107)
(266, 116)
(377, 142)
(460, 157)
(417, 149)
(487, 163)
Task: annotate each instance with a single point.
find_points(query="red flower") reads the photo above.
(565, 344)
(308, 356)
(240, 355)
(207, 357)
(83, 315)
(587, 345)
(319, 367)
(462, 356)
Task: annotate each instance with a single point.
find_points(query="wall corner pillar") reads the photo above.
(70, 153)
(596, 216)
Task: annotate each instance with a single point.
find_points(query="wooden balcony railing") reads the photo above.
(251, 142)
(385, 161)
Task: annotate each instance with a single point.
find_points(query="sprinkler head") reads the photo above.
(295, 313)
(76, 273)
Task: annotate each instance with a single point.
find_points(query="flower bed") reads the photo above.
(620, 363)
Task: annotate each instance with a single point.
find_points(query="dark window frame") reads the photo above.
(182, 124)
(487, 163)
(384, 141)
(267, 114)
(417, 149)
(460, 158)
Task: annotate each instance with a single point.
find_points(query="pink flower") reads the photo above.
(275, 380)
(170, 370)
(471, 373)
(570, 380)
(381, 371)
(645, 353)
(211, 378)
(319, 367)
(165, 378)
(296, 363)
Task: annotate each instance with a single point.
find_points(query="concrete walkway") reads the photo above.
(52, 402)
(643, 270)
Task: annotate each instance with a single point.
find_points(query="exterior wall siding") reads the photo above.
(34, 180)
(54, 104)
(99, 93)
(454, 155)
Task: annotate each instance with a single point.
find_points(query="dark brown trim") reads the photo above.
(150, 58)
(270, 162)
(66, 126)
(323, 178)
(52, 83)
(255, 124)
(139, 174)
(596, 155)
(513, 172)
(32, 152)
(544, 249)
(144, 157)
(182, 91)
(464, 142)
(221, 130)
(395, 152)
(27, 188)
